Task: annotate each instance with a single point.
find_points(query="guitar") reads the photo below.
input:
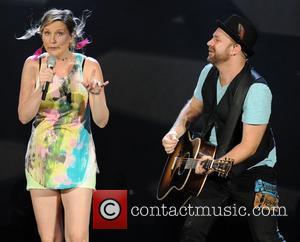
(179, 175)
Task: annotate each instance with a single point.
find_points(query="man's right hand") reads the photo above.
(170, 141)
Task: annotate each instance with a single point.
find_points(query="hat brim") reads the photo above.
(235, 37)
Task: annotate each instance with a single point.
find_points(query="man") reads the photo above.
(233, 103)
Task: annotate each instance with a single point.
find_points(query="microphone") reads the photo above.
(51, 61)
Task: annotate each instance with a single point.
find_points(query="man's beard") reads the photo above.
(218, 58)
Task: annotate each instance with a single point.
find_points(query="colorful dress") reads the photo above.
(61, 151)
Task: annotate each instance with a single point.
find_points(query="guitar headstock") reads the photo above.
(222, 166)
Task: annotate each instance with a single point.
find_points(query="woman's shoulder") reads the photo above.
(91, 62)
(31, 61)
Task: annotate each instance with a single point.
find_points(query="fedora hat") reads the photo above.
(241, 31)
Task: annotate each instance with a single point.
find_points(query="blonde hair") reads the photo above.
(74, 25)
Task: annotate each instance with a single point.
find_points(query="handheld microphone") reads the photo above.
(51, 61)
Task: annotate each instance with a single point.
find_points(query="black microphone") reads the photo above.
(51, 61)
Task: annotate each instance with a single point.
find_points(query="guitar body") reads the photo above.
(176, 178)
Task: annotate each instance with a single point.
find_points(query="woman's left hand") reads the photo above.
(94, 86)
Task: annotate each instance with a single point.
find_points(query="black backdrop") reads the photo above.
(152, 53)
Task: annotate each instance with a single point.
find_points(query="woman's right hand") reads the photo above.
(32, 84)
(170, 141)
(45, 75)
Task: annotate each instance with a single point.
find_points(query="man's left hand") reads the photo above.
(199, 168)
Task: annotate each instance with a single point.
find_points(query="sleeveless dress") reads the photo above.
(61, 152)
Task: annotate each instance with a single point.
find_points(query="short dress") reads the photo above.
(61, 152)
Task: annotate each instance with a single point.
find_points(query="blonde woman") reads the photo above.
(60, 161)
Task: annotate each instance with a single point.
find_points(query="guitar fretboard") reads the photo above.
(189, 163)
(221, 166)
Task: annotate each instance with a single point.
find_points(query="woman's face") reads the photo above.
(56, 39)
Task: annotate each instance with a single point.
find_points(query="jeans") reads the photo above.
(240, 191)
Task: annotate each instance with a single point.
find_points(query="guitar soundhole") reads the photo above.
(182, 162)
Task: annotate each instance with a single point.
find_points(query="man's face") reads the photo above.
(219, 47)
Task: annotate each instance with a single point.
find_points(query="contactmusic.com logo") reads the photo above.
(110, 209)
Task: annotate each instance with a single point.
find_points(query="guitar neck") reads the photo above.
(191, 163)
(221, 166)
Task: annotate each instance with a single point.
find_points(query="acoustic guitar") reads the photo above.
(179, 174)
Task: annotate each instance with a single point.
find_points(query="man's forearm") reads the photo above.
(187, 115)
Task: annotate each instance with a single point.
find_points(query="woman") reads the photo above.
(60, 160)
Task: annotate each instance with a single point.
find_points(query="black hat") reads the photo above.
(241, 31)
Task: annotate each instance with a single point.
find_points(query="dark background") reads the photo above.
(152, 52)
